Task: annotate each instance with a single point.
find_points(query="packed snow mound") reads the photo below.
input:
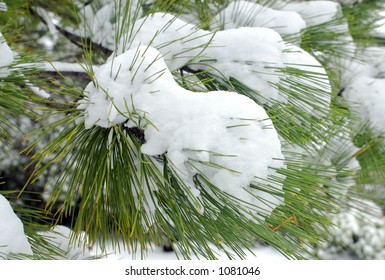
(366, 97)
(243, 14)
(12, 237)
(6, 57)
(224, 136)
(253, 56)
(250, 55)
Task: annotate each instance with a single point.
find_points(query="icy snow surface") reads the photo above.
(12, 238)
(243, 14)
(197, 130)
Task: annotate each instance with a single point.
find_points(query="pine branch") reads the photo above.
(77, 40)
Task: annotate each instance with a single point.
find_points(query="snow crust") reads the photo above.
(244, 14)
(12, 237)
(224, 135)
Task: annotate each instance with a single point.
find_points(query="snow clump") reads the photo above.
(6, 57)
(248, 14)
(360, 231)
(254, 56)
(367, 98)
(224, 136)
(12, 237)
(100, 20)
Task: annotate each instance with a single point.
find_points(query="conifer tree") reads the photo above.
(207, 126)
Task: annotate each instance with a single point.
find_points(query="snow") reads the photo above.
(71, 247)
(12, 237)
(6, 57)
(244, 14)
(317, 95)
(251, 55)
(315, 12)
(225, 136)
(187, 126)
(247, 54)
(178, 41)
(367, 98)
(3, 7)
(75, 248)
(101, 23)
(157, 253)
(360, 230)
(58, 66)
(379, 30)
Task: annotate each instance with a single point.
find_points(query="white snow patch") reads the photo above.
(12, 237)
(367, 98)
(6, 57)
(178, 41)
(196, 130)
(379, 31)
(63, 238)
(102, 20)
(157, 253)
(243, 14)
(315, 96)
(250, 55)
(315, 12)
(3, 7)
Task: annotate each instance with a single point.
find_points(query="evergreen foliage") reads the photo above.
(100, 182)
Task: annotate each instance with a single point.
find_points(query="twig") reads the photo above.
(49, 102)
(137, 133)
(75, 39)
